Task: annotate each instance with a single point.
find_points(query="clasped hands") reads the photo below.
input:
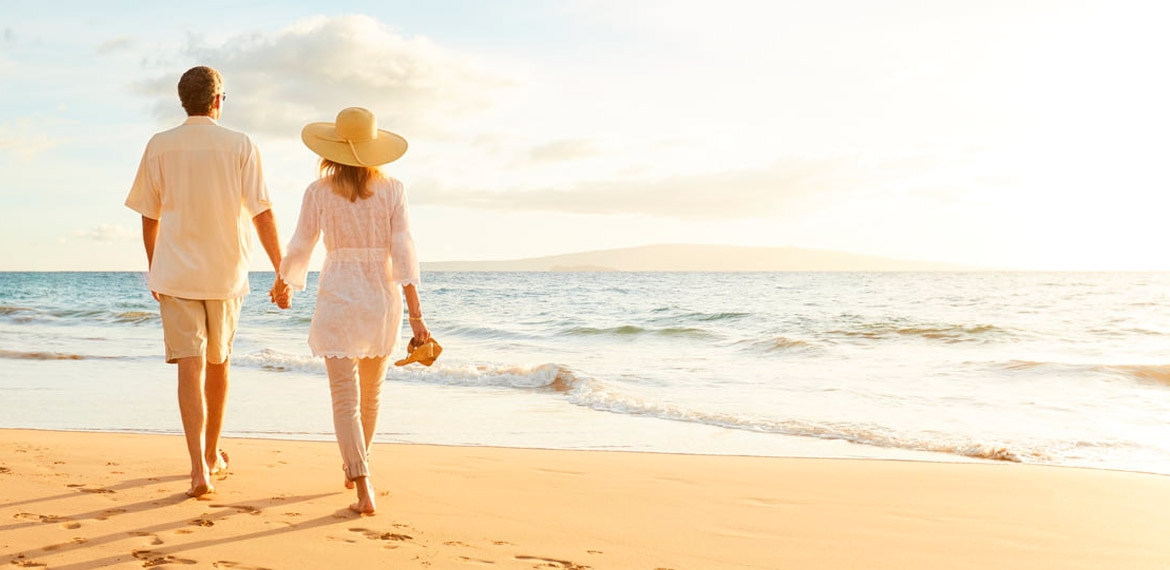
(281, 293)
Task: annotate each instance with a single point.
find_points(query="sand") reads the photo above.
(86, 500)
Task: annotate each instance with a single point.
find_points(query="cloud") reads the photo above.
(118, 44)
(26, 138)
(308, 72)
(105, 233)
(786, 186)
(563, 150)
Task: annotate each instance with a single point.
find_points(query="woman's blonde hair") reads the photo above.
(350, 182)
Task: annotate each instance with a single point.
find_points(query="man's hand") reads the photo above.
(281, 293)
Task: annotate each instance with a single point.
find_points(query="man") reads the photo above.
(199, 187)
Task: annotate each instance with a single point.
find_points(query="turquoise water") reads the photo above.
(1054, 368)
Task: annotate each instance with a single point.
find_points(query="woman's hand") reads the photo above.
(280, 293)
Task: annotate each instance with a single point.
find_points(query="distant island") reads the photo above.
(683, 257)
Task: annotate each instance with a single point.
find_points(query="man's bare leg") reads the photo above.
(194, 414)
(215, 390)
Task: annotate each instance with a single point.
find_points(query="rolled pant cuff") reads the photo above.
(354, 471)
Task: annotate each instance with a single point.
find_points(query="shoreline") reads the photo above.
(84, 500)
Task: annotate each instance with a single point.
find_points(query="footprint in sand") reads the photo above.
(240, 508)
(106, 514)
(154, 539)
(81, 487)
(75, 541)
(375, 535)
(66, 523)
(235, 565)
(202, 522)
(475, 560)
(150, 559)
(553, 563)
(22, 563)
(5, 470)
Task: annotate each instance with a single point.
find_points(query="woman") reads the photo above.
(369, 254)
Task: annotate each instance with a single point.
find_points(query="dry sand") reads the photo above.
(83, 501)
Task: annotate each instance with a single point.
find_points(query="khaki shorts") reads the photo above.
(199, 327)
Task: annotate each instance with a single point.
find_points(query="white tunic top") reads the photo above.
(369, 256)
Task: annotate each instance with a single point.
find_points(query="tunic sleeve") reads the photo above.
(294, 268)
(405, 262)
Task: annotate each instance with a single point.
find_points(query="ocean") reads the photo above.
(1046, 368)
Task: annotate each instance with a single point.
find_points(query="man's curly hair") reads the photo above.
(198, 88)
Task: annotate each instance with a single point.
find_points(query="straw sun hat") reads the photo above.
(354, 139)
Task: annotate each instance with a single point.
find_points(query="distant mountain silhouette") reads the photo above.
(682, 257)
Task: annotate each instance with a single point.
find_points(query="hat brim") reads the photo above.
(321, 138)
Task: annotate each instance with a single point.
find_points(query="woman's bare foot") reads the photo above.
(365, 491)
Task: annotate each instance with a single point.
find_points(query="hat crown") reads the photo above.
(356, 124)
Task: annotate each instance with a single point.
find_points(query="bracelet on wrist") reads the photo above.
(414, 318)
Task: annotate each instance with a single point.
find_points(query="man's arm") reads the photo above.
(265, 224)
(149, 237)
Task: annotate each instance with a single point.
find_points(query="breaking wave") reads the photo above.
(48, 355)
(633, 330)
(1157, 373)
(947, 333)
(588, 392)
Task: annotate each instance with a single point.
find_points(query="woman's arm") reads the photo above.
(417, 325)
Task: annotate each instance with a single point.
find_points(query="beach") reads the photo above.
(71, 500)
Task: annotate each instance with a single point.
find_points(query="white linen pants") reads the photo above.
(356, 387)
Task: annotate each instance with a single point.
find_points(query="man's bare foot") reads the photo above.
(365, 504)
(200, 484)
(218, 462)
(199, 489)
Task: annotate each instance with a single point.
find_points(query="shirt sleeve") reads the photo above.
(294, 268)
(405, 268)
(145, 196)
(255, 190)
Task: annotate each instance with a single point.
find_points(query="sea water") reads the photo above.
(1049, 368)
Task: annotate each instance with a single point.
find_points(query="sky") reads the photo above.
(1004, 134)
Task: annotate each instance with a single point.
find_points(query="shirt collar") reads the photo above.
(199, 120)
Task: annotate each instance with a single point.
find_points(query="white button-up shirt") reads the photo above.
(204, 184)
